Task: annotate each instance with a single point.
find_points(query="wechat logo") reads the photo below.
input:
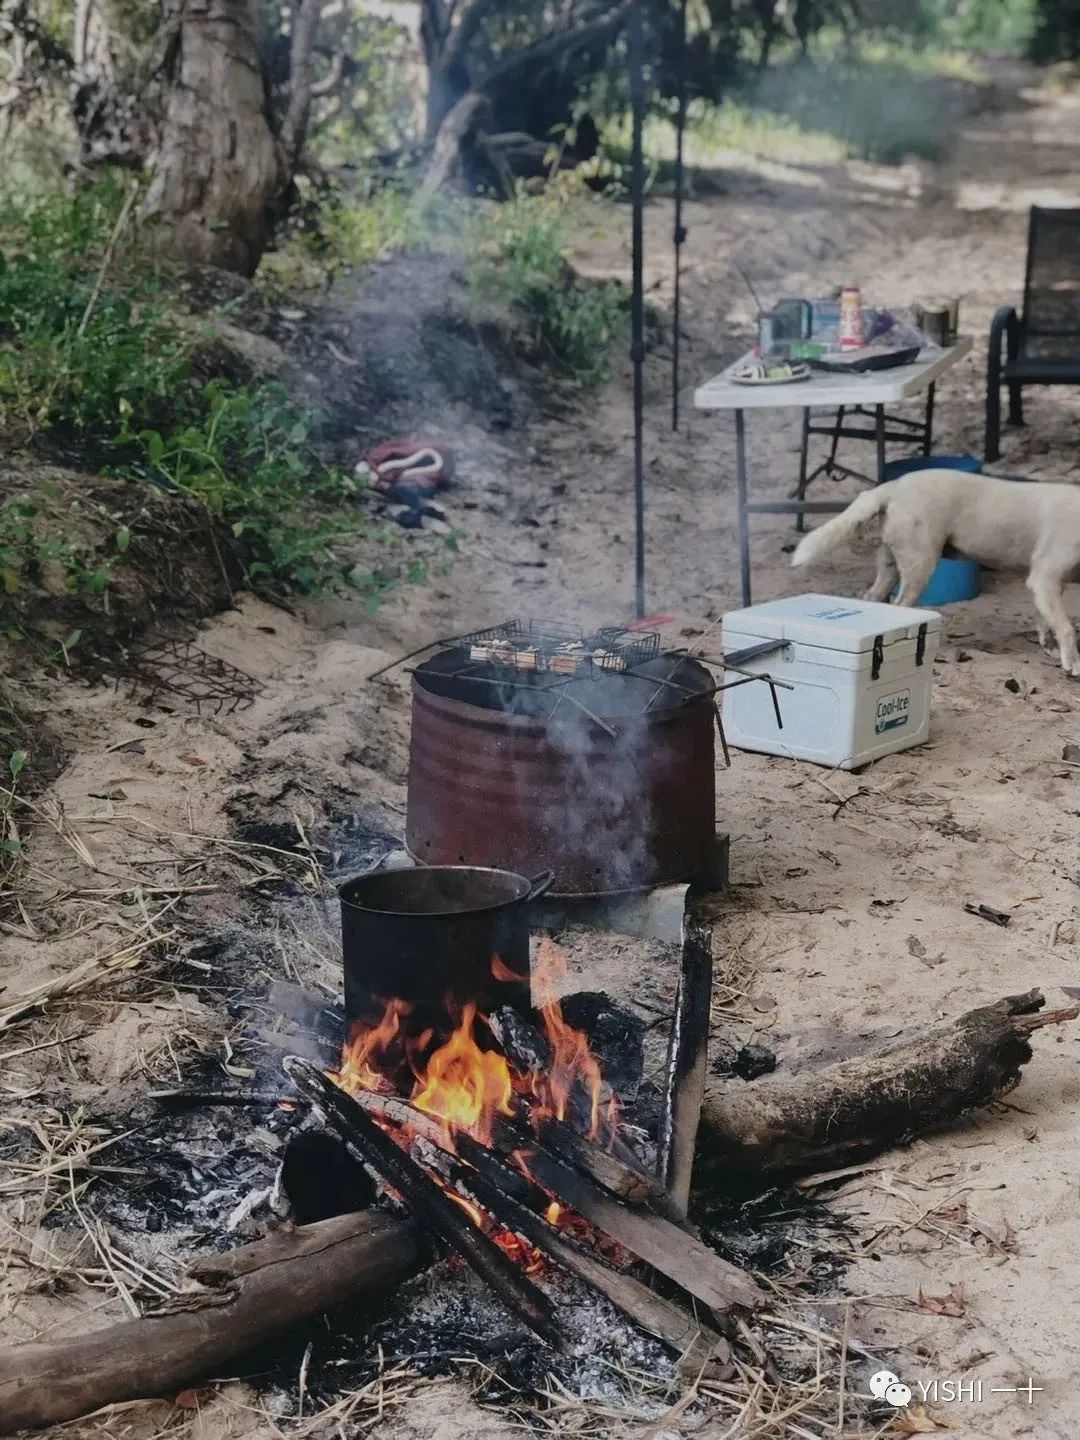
(888, 1387)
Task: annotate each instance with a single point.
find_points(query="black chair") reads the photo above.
(1042, 343)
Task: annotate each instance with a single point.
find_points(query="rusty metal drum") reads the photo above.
(606, 780)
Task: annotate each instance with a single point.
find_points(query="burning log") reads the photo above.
(431, 1206)
(238, 1301)
(673, 1251)
(624, 1178)
(490, 1183)
(687, 1056)
(829, 1117)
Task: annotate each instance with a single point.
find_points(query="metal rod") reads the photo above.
(928, 424)
(880, 434)
(792, 507)
(723, 737)
(804, 457)
(635, 48)
(680, 229)
(744, 510)
(447, 640)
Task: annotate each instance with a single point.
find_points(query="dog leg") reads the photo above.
(916, 567)
(1046, 587)
(886, 577)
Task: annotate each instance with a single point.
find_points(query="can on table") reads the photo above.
(852, 335)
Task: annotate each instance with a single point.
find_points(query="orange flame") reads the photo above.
(364, 1049)
(573, 1064)
(466, 1087)
(502, 972)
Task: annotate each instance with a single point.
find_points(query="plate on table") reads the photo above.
(782, 374)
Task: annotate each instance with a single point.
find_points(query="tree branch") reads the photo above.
(294, 126)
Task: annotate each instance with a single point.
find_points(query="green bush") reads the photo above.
(248, 459)
(517, 253)
(97, 354)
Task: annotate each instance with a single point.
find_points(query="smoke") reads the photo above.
(607, 819)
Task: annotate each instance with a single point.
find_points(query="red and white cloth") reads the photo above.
(406, 462)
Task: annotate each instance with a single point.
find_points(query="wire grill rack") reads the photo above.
(610, 648)
(180, 670)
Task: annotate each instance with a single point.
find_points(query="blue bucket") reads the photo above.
(952, 580)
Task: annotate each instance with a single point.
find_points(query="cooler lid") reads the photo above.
(831, 622)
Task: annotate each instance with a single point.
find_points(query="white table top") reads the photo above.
(826, 388)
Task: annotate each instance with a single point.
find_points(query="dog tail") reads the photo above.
(827, 537)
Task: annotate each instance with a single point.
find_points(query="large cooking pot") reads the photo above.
(436, 937)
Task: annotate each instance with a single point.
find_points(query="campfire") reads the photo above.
(502, 1133)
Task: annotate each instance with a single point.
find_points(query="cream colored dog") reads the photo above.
(1004, 524)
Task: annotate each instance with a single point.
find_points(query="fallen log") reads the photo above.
(824, 1118)
(237, 1301)
(468, 117)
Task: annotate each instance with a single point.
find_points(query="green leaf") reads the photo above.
(155, 445)
(16, 763)
(123, 539)
(12, 847)
(11, 580)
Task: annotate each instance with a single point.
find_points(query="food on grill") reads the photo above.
(608, 660)
(502, 652)
(528, 659)
(479, 652)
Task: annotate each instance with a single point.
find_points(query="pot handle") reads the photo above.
(540, 885)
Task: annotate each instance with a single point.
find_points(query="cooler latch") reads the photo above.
(879, 656)
(920, 644)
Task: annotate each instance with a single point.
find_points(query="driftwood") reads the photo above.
(824, 1118)
(687, 1055)
(430, 1205)
(236, 1302)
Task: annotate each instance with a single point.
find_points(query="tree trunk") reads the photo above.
(109, 119)
(219, 168)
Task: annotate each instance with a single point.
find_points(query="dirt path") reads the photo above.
(850, 921)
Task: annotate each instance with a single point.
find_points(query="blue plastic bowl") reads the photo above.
(952, 580)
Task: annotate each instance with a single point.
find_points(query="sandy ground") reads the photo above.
(847, 920)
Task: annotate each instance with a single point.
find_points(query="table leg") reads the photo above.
(928, 434)
(744, 521)
(804, 460)
(879, 430)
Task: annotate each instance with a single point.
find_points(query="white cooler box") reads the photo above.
(861, 671)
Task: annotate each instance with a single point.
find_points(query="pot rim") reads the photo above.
(525, 886)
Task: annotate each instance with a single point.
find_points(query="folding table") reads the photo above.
(859, 395)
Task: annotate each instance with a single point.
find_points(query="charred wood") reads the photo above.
(489, 1182)
(430, 1205)
(687, 1058)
